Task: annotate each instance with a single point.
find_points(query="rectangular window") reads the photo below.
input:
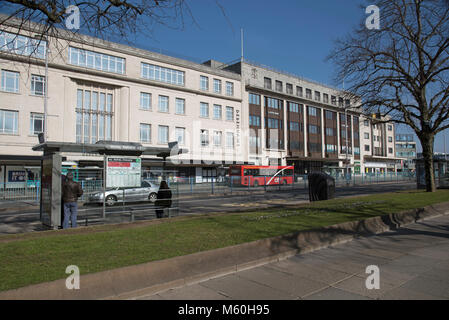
(366, 123)
(36, 123)
(22, 45)
(254, 121)
(390, 127)
(308, 94)
(204, 110)
(313, 129)
(279, 86)
(254, 99)
(390, 150)
(217, 112)
(10, 81)
(180, 106)
(217, 138)
(9, 121)
(267, 83)
(273, 103)
(229, 89)
(289, 88)
(294, 126)
(157, 73)
(366, 147)
(229, 140)
(325, 98)
(180, 135)
(312, 111)
(94, 111)
(204, 83)
(317, 96)
(145, 101)
(204, 136)
(230, 113)
(163, 134)
(217, 86)
(37, 85)
(293, 107)
(145, 132)
(163, 103)
(334, 100)
(330, 115)
(340, 102)
(96, 60)
(390, 139)
(299, 92)
(330, 132)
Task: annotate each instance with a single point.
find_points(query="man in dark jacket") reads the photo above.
(71, 191)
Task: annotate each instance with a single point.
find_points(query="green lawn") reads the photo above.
(41, 257)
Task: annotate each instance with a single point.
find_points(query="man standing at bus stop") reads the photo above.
(71, 191)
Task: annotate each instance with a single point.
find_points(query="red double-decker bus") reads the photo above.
(255, 176)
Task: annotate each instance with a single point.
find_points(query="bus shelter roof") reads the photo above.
(108, 148)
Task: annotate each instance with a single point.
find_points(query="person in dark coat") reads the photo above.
(163, 199)
(71, 191)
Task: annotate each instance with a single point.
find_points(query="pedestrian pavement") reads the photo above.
(413, 264)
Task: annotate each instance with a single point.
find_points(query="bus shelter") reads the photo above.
(441, 173)
(121, 170)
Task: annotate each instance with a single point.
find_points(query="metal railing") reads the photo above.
(30, 190)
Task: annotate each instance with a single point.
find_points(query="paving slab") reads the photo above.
(320, 274)
(429, 285)
(335, 294)
(357, 285)
(407, 294)
(296, 286)
(413, 264)
(238, 288)
(191, 292)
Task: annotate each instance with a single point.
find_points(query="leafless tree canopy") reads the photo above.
(402, 69)
(100, 18)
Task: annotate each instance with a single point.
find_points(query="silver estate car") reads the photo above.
(147, 191)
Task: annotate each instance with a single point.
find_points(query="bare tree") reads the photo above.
(100, 18)
(402, 69)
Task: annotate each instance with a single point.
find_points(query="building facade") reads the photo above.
(293, 121)
(242, 113)
(406, 149)
(99, 90)
(378, 144)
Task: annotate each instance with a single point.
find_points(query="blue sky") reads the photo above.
(290, 35)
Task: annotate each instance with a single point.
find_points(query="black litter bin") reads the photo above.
(321, 186)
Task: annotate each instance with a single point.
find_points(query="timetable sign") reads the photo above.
(123, 172)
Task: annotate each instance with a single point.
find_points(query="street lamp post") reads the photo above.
(346, 140)
(46, 89)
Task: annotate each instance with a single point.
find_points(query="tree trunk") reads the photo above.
(427, 141)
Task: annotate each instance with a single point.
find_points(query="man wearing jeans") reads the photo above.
(71, 191)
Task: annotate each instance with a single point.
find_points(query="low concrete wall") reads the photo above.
(156, 276)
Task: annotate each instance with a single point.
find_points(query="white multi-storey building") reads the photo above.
(99, 90)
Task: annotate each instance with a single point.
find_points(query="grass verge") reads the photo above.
(44, 257)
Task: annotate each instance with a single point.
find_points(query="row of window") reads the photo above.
(10, 83)
(299, 92)
(180, 136)
(366, 123)
(377, 150)
(217, 111)
(217, 87)
(9, 122)
(217, 138)
(22, 45)
(376, 138)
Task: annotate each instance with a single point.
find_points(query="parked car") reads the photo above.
(147, 191)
